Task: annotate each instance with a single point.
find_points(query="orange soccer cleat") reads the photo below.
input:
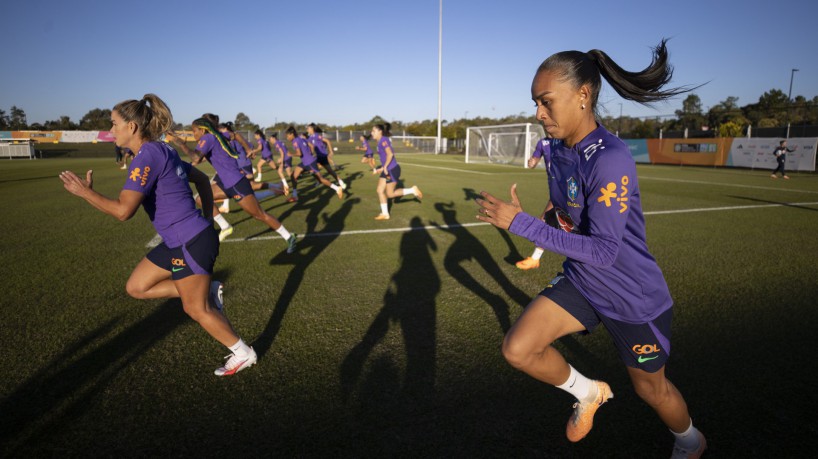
(582, 420)
(528, 263)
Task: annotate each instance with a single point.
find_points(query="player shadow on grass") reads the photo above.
(309, 248)
(514, 255)
(467, 247)
(409, 301)
(66, 387)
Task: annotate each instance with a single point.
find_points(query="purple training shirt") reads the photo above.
(306, 155)
(226, 166)
(157, 172)
(383, 144)
(608, 262)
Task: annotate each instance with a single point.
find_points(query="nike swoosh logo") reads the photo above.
(643, 359)
(176, 270)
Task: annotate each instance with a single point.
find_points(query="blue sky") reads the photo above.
(339, 62)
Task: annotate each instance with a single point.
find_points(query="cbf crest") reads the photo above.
(573, 188)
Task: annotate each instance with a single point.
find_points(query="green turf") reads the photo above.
(387, 344)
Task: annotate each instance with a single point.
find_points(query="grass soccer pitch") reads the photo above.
(382, 339)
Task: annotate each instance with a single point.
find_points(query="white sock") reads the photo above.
(579, 386)
(408, 191)
(689, 439)
(283, 232)
(225, 204)
(384, 209)
(240, 349)
(221, 221)
(258, 177)
(285, 183)
(537, 253)
(334, 186)
(340, 182)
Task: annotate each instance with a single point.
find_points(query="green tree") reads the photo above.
(17, 119)
(690, 116)
(4, 120)
(730, 129)
(98, 119)
(243, 123)
(63, 124)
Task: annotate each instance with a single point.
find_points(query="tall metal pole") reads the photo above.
(789, 100)
(438, 144)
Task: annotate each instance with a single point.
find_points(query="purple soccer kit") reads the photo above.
(608, 262)
(383, 144)
(159, 174)
(226, 166)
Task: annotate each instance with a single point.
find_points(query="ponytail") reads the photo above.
(385, 128)
(260, 133)
(205, 124)
(151, 115)
(644, 87)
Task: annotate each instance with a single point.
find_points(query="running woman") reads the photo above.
(609, 275)
(211, 145)
(285, 164)
(368, 158)
(308, 163)
(182, 265)
(245, 163)
(389, 170)
(320, 149)
(543, 150)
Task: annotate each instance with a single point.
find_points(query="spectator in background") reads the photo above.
(781, 156)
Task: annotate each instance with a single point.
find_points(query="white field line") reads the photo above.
(466, 225)
(755, 187)
(444, 168)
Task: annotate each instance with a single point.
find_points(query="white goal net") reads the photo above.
(504, 144)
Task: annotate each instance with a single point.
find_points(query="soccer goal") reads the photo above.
(503, 144)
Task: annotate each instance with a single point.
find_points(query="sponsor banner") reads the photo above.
(79, 136)
(691, 152)
(105, 136)
(757, 153)
(5, 135)
(639, 150)
(44, 136)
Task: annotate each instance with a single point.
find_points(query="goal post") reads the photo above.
(510, 144)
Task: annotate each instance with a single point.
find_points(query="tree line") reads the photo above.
(727, 118)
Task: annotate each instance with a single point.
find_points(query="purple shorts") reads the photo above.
(645, 346)
(196, 256)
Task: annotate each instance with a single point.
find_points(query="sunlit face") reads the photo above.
(376, 133)
(310, 130)
(121, 130)
(290, 136)
(558, 105)
(258, 137)
(198, 132)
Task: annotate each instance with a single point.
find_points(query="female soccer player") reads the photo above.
(542, 151)
(285, 163)
(182, 265)
(245, 162)
(609, 275)
(368, 157)
(389, 170)
(308, 163)
(211, 145)
(321, 149)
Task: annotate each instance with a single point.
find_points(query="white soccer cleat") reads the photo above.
(235, 364)
(223, 234)
(343, 184)
(217, 295)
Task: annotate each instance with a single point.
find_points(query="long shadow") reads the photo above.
(783, 204)
(514, 255)
(466, 247)
(65, 387)
(309, 248)
(410, 301)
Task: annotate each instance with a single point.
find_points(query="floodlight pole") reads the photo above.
(438, 143)
(789, 100)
